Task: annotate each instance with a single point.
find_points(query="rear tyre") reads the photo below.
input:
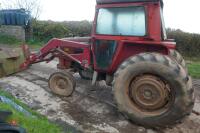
(179, 58)
(62, 83)
(153, 90)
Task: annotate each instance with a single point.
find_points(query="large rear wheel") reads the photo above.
(179, 58)
(153, 90)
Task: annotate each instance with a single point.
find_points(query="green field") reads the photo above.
(37, 124)
(13, 42)
(194, 69)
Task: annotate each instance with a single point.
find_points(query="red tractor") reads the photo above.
(128, 49)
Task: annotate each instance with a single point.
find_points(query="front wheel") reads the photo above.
(62, 83)
(153, 90)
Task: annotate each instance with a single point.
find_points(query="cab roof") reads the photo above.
(124, 1)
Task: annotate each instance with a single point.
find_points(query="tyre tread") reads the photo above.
(167, 61)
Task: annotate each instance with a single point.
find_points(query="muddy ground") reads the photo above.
(87, 110)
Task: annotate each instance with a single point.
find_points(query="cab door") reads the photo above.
(104, 51)
(112, 25)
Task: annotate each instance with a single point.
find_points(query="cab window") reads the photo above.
(125, 21)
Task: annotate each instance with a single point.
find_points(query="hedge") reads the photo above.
(188, 44)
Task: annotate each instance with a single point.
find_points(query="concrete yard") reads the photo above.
(87, 110)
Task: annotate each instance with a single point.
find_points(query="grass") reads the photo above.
(39, 124)
(13, 42)
(34, 43)
(194, 69)
(4, 39)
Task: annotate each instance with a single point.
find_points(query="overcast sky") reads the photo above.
(179, 14)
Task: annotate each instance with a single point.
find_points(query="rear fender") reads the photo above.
(128, 49)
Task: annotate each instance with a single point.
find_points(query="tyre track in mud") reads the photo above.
(89, 109)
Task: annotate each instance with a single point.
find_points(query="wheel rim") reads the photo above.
(61, 84)
(149, 93)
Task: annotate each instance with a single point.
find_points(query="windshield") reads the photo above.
(125, 21)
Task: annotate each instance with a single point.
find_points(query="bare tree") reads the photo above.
(31, 6)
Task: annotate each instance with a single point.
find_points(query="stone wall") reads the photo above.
(16, 31)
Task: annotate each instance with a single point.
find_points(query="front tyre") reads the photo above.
(62, 83)
(153, 90)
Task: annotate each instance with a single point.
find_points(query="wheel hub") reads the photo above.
(61, 83)
(149, 92)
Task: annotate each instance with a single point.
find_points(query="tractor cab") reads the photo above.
(117, 21)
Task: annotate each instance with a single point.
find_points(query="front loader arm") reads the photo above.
(60, 48)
